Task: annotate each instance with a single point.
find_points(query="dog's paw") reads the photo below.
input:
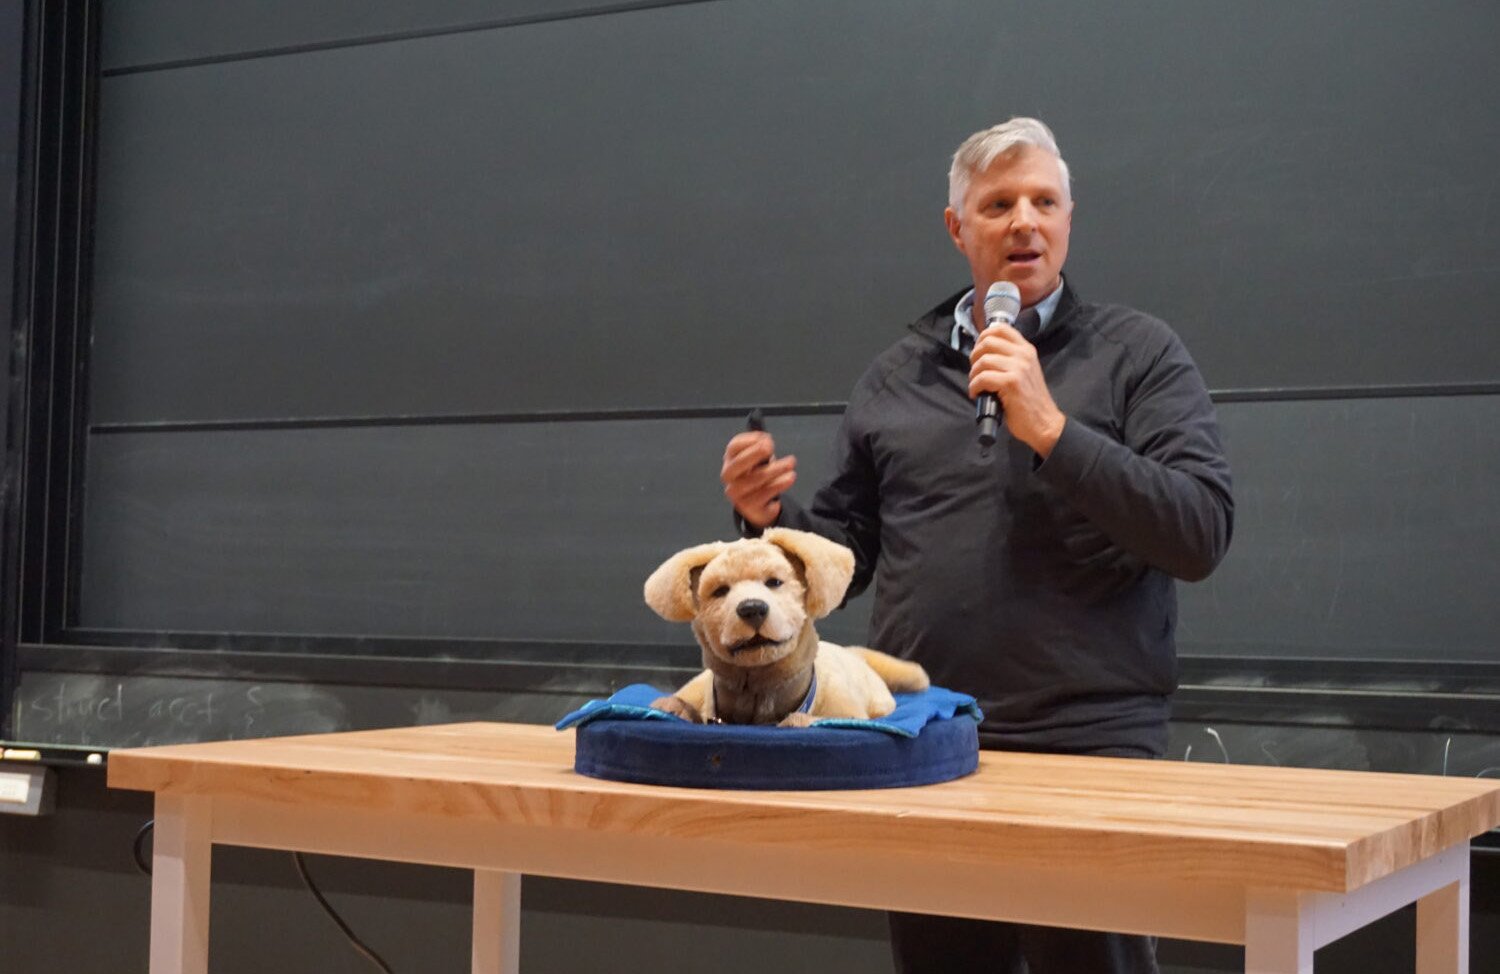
(798, 719)
(677, 707)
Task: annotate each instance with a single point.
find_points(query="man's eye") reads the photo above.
(773, 583)
(1047, 201)
(720, 592)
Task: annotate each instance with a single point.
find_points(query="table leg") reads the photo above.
(180, 867)
(1443, 929)
(497, 922)
(1278, 934)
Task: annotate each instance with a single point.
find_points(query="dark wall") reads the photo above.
(429, 325)
(1355, 540)
(601, 211)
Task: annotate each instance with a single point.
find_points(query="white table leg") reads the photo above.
(497, 922)
(180, 867)
(1443, 929)
(1278, 934)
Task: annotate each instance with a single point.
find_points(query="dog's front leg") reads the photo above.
(691, 699)
(797, 719)
(677, 707)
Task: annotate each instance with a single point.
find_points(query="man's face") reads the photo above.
(1014, 224)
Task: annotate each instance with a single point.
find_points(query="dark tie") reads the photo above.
(1028, 323)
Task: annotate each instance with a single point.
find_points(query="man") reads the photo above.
(1036, 574)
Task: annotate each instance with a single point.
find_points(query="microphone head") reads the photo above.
(1002, 302)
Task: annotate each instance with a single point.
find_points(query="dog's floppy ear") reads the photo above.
(829, 566)
(669, 590)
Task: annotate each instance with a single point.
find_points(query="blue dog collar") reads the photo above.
(807, 702)
(812, 691)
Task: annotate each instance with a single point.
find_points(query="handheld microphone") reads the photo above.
(1001, 305)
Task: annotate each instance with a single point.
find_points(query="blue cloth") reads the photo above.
(913, 710)
(931, 737)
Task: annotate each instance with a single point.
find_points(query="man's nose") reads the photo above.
(753, 611)
(1023, 217)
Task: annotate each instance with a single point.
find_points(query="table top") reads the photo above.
(1228, 824)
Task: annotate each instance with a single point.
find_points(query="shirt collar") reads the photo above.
(963, 315)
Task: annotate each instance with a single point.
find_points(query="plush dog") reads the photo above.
(752, 604)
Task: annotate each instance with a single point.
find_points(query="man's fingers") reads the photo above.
(765, 493)
(761, 511)
(992, 373)
(1001, 340)
(992, 363)
(762, 517)
(1001, 332)
(755, 460)
(762, 482)
(754, 477)
(744, 453)
(747, 440)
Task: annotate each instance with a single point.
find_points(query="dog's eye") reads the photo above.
(720, 592)
(773, 583)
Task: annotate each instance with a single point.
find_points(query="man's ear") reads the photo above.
(669, 590)
(829, 566)
(954, 226)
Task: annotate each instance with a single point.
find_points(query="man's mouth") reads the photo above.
(1023, 257)
(756, 641)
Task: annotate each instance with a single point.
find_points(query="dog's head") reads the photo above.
(749, 600)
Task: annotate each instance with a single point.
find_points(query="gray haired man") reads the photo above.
(1038, 575)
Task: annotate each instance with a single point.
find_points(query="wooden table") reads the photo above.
(1282, 860)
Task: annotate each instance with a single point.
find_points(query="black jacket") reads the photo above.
(1044, 589)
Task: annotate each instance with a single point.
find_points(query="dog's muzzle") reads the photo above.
(753, 611)
(756, 641)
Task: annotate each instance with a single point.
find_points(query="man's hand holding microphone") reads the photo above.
(1005, 372)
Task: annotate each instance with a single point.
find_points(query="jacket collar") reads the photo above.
(937, 324)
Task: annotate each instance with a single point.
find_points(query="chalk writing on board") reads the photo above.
(92, 704)
(142, 711)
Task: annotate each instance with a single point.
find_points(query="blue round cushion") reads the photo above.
(674, 752)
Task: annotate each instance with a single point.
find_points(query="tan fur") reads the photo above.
(758, 670)
(669, 589)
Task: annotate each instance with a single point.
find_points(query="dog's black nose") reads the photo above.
(753, 611)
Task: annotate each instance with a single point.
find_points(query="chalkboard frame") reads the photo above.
(1247, 689)
(49, 330)
(17, 88)
(47, 421)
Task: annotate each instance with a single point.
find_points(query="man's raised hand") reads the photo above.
(755, 478)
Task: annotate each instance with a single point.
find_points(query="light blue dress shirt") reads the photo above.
(963, 317)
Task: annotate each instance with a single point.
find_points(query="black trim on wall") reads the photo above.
(473, 419)
(53, 322)
(630, 6)
(15, 389)
(1308, 394)
(720, 412)
(1344, 709)
(1406, 696)
(120, 644)
(581, 668)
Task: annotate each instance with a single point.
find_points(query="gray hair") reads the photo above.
(980, 150)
